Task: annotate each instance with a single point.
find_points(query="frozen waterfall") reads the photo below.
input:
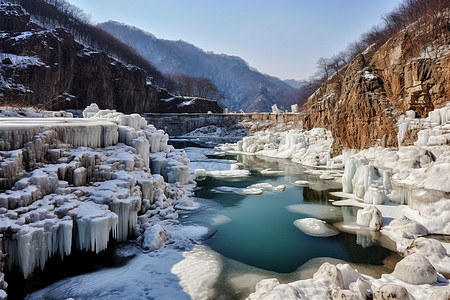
(74, 184)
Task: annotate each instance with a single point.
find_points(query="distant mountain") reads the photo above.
(242, 86)
(296, 84)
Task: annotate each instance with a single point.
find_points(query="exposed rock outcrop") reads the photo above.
(362, 102)
(188, 105)
(49, 68)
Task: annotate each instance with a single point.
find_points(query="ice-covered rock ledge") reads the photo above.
(405, 192)
(310, 148)
(417, 175)
(410, 188)
(413, 278)
(74, 184)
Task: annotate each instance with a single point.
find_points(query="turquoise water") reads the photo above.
(259, 230)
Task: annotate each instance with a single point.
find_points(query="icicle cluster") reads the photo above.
(61, 195)
(417, 175)
(306, 147)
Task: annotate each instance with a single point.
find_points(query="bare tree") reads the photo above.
(194, 87)
(60, 13)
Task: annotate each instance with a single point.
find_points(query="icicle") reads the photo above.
(126, 210)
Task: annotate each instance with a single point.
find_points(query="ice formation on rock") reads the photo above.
(307, 147)
(335, 282)
(441, 294)
(391, 291)
(434, 251)
(73, 184)
(15, 133)
(415, 269)
(91, 110)
(435, 126)
(302, 289)
(417, 175)
(370, 216)
(330, 275)
(154, 237)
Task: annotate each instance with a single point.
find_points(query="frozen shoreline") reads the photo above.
(312, 148)
(414, 183)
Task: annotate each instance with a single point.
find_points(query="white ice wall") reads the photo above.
(16, 132)
(417, 175)
(82, 184)
(306, 147)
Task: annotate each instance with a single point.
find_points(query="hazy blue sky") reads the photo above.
(283, 38)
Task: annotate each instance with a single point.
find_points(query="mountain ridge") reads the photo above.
(242, 86)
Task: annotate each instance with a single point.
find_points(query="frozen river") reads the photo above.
(243, 231)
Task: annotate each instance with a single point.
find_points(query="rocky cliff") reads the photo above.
(362, 102)
(48, 68)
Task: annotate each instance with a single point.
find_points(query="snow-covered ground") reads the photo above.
(181, 270)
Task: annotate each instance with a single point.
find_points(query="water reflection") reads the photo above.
(259, 230)
(368, 239)
(310, 195)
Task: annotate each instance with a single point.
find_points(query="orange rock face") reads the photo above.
(361, 103)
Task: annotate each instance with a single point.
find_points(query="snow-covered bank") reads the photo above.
(310, 148)
(74, 184)
(412, 180)
(160, 274)
(418, 176)
(410, 280)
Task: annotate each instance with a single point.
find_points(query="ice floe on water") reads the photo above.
(254, 189)
(271, 172)
(301, 182)
(267, 186)
(316, 227)
(316, 210)
(202, 166)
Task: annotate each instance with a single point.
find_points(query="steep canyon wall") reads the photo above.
(362, 102)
